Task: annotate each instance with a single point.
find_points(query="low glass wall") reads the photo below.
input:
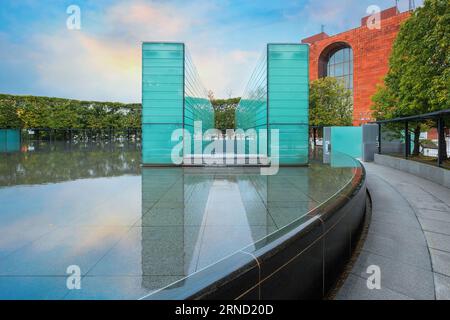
(9, 140)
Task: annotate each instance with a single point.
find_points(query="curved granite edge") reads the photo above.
(300, 261)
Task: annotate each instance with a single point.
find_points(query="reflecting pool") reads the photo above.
(134, 230)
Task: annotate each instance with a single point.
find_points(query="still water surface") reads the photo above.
(133, 230)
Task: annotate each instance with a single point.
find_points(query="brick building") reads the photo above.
(359, 57)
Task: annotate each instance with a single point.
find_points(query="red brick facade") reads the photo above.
(371, 50)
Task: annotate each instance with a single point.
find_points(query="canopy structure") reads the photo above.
(178, 118)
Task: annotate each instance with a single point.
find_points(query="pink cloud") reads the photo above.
(140, 20)
(105, 63)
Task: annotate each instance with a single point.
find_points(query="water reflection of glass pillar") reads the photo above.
(162, 232)
(173, 205)
(193, 217)
(288, 195)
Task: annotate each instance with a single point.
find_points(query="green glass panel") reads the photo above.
(197, 107)
(293, 143)
(288, 98)
(157, 144)
(347, 140)
(276, 97)
(251, 113)
(162, 99)
(173, 97)
(9, 140)
(2, 140)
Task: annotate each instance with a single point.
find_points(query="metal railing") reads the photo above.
(438, 117)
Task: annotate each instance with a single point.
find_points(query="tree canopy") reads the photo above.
(418, 80)
(330, 103)
(56, 113)
(224, 112)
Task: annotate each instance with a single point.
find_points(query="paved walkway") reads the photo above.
(408, 238)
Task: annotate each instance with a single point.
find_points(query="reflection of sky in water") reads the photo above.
(130, 233)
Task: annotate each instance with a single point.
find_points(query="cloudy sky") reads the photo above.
(39, 55)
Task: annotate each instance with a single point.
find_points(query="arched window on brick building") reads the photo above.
(337, 61)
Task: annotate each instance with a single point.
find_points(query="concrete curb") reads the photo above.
(435, 174)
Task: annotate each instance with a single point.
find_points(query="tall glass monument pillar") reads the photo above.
(172, 98)
(277, 97)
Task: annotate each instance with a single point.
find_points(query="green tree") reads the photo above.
(418, 80)
(224, 112)
(9, 117)
(330, 103)
(56, 113)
